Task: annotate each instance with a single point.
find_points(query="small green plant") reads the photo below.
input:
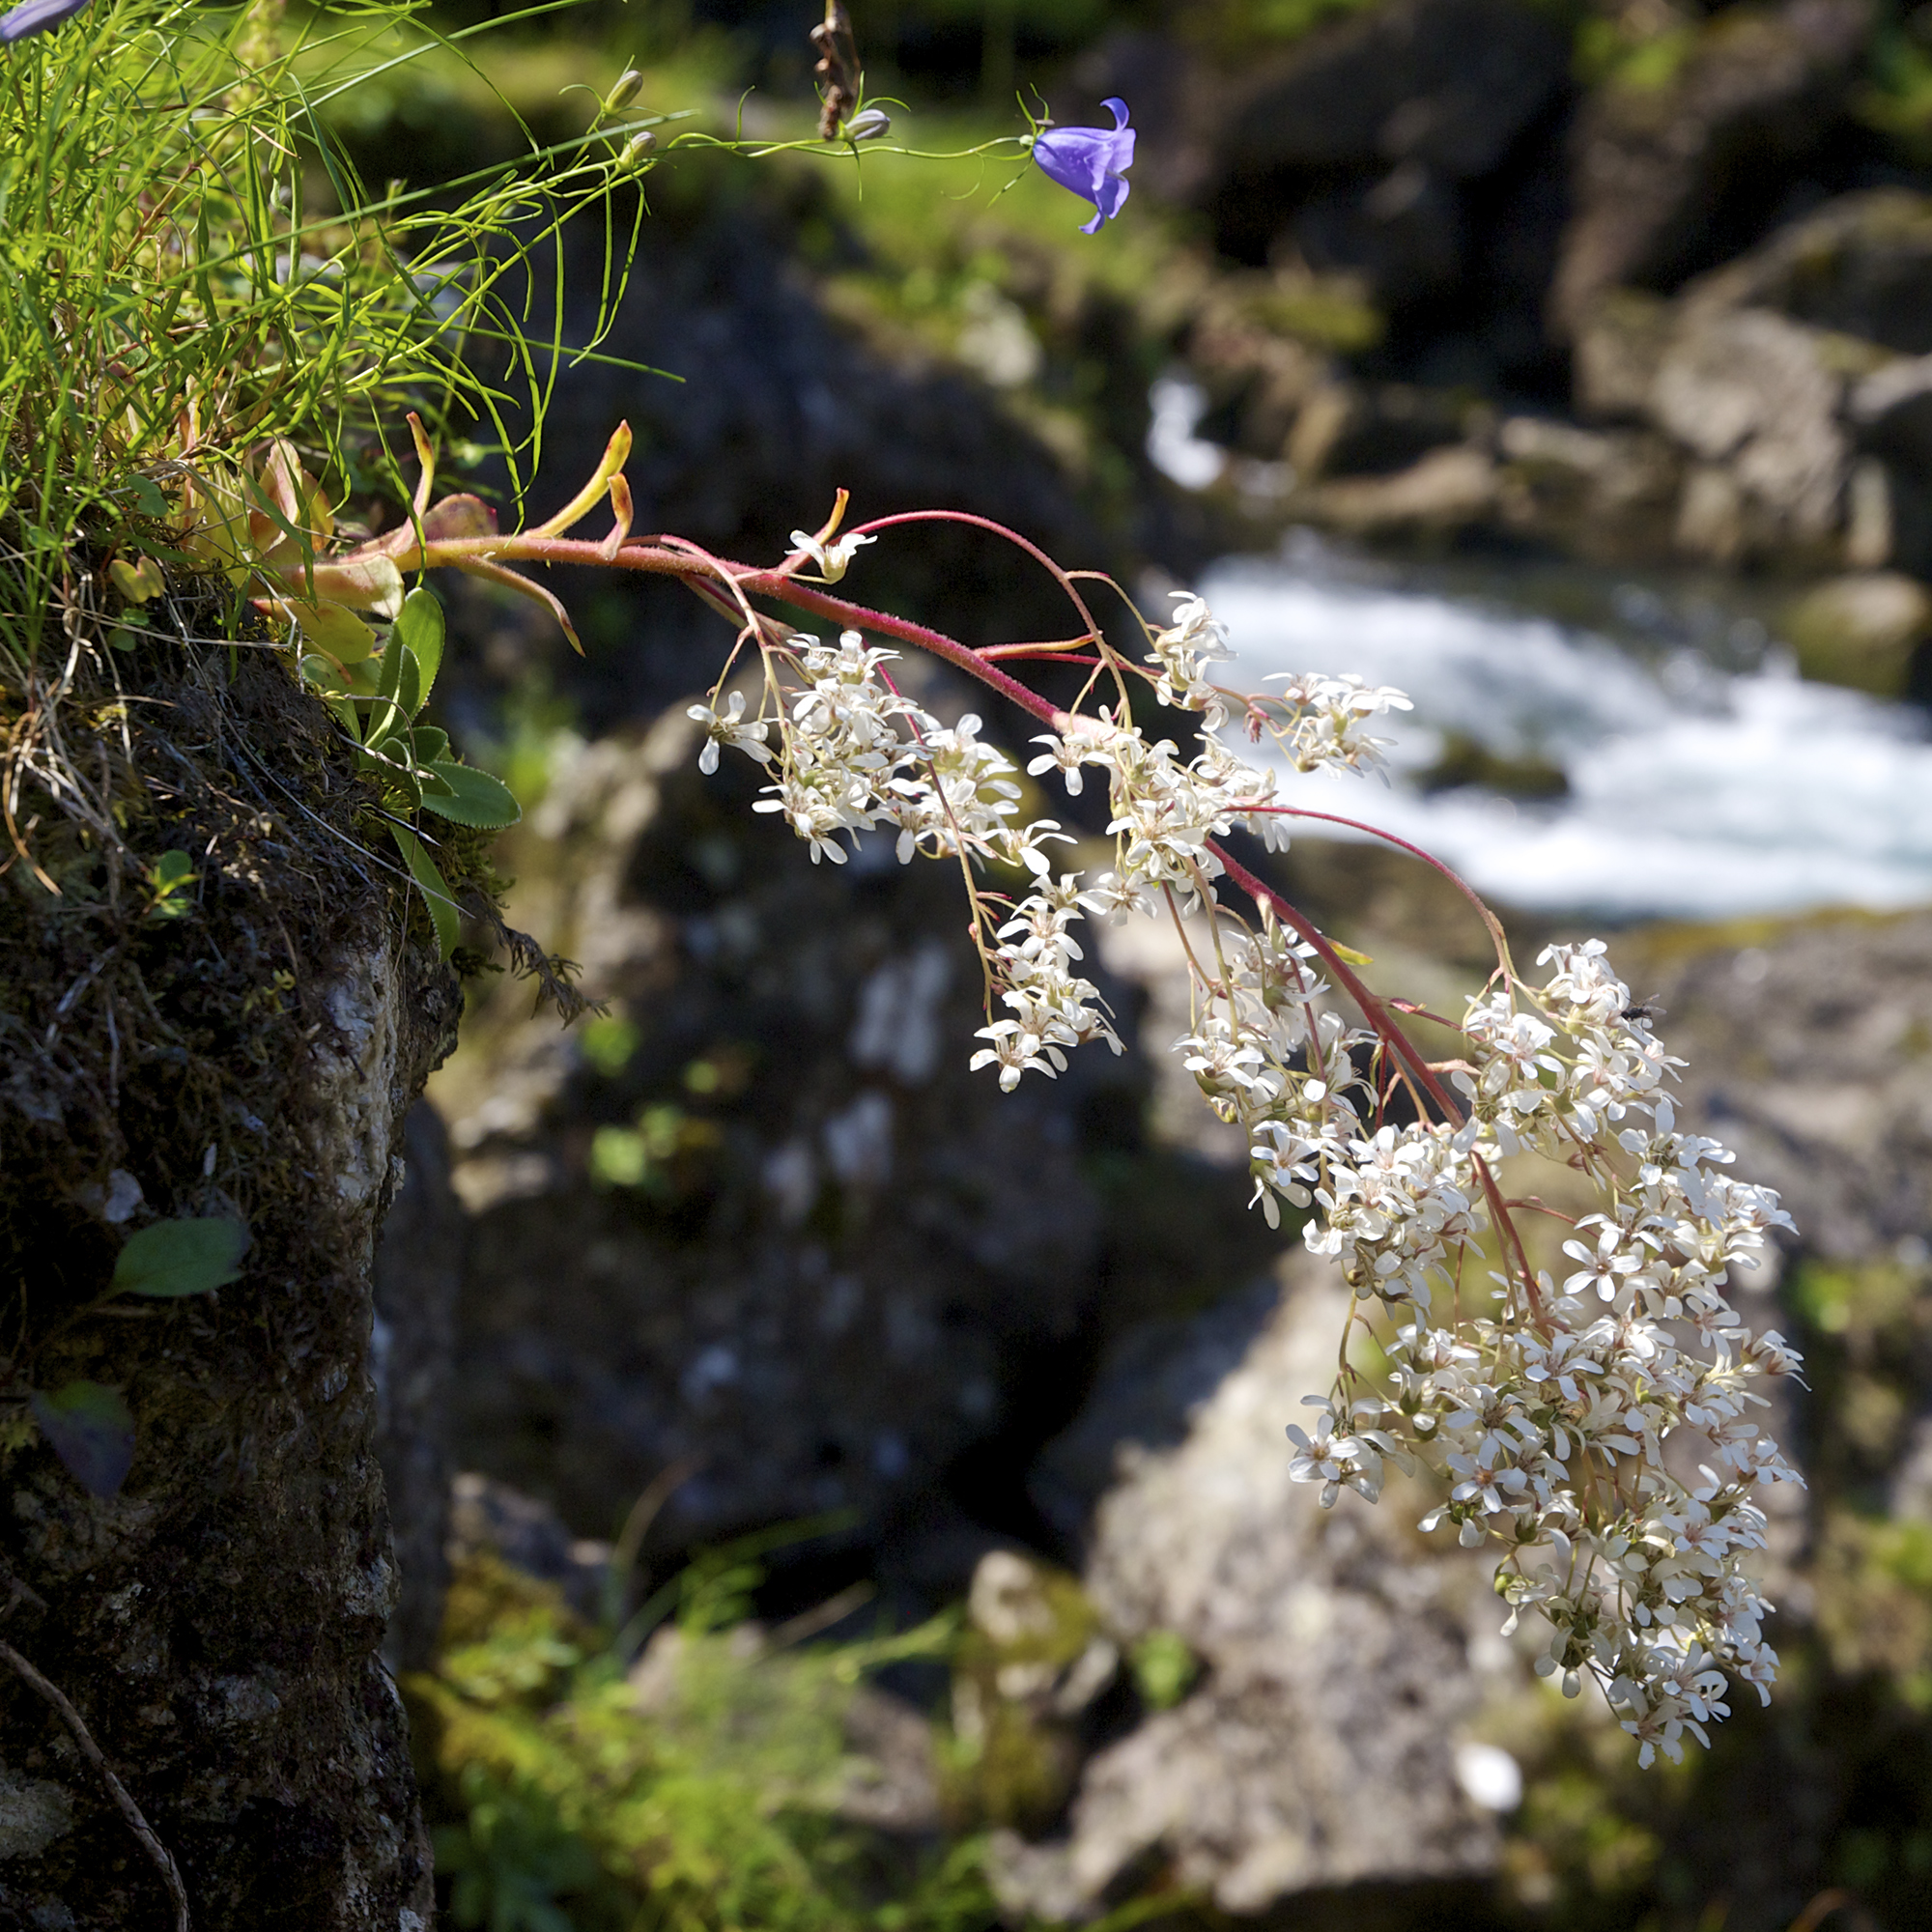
(1164, 1668)
(86, 1423)
(698, 1790)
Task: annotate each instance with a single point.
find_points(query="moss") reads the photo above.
(1018, 1683)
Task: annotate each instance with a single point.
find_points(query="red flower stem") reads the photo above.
(1034, 551)
(1455, 878)
(657, 561)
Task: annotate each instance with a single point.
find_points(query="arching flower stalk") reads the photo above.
(1559, 1414)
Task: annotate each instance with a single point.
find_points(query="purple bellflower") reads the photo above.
(35, 16)
(1089, 160)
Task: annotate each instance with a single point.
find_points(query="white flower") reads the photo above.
(729, 727)
(833, 559)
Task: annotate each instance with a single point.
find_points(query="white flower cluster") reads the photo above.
(1328, 720)
(1194, 638)
(1562, 1417)
(853, 754)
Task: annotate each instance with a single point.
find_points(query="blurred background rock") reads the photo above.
(1617, 314)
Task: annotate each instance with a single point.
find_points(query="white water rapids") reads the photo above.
(1696, 791)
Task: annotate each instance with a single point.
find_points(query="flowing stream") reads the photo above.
(1704, 778)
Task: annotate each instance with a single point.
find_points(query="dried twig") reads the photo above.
(163, 1859)
(838, 69)
(529, 961)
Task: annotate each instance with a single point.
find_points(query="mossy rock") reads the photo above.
(1868, 631)
(1033, 1657)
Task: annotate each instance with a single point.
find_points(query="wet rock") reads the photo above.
(1343, 1653)
(1668, 178)
(1863, 631)
(759, 1222)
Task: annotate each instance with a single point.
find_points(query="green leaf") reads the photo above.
(388, 680)
(148, 499)
(475, 799)
(170, 876)
(177, 1257)
(429, 742)
(91, 1430)
(325, 675)
(419, 625)
(442, 903)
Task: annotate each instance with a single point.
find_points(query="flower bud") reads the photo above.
(639, 154)
(624, 93)
(867, 124)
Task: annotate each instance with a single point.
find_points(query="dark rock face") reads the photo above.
(419, 1265)
(1359, 138)
(1670, 179)
(218, 1623)
(784, 1241)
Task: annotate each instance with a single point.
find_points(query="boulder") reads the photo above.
(1859, 265)
(1889, 416)
(1619, 345)
(1748, 390)
(1448, 490)
(1863, 630)
(1375, 429)
(1668, 177)
(1602, 495)
(1351, 1687)
(1808, 1053)
(1343, 1655)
